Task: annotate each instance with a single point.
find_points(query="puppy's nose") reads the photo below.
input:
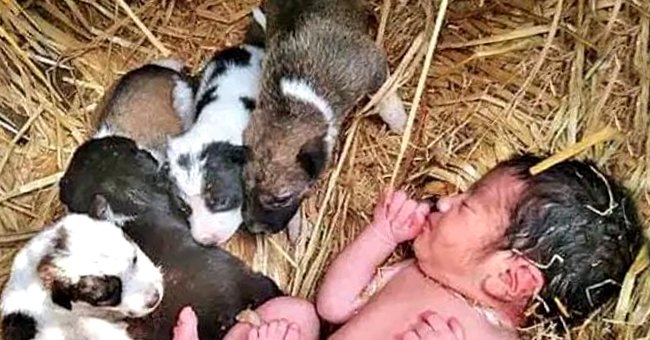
(154, 299)
(256, 227)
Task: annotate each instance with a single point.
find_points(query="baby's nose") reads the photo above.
(447, 202)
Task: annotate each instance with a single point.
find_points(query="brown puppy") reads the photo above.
(320, 61)
(148, 104)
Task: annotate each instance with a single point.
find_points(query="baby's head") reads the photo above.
(567, 235)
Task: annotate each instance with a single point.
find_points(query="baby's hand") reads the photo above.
(399, 218)
(434, 327)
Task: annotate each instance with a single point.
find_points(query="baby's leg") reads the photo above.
(283, 318)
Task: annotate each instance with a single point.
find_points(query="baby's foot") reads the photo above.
(187, 325)
(275, 330)
(434, 327)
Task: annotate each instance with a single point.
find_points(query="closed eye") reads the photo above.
(283, 200)
(467, 206)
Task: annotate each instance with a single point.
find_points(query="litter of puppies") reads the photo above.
(125, 175)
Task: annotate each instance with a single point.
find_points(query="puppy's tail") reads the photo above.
(256, 32)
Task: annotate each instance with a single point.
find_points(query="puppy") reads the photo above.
(112, 176)
(206, 161)
(78, 279)
(320, 61)
(148, 104)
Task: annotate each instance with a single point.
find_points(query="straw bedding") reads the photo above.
(504, 77)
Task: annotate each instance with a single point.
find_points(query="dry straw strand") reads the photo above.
(606, 133)
(420, 89)
(154, 41)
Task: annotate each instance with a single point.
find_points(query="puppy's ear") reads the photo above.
(50, 274)
(98, 290)
(313, 156)
(61, 293)
(99, 208)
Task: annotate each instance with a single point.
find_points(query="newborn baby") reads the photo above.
(564, 238)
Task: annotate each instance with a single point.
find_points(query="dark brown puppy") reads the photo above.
(110, 177)
(320, 61)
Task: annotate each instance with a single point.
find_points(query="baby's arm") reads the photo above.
(396, 219)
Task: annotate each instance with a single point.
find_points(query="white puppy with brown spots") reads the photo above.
(78, 279)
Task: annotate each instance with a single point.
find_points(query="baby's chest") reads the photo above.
(388, 314)
(399, 306)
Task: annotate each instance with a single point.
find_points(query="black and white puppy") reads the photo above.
(78, 279)
(113, 177)
(206, 161)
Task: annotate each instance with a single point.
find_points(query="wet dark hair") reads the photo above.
(582, 230)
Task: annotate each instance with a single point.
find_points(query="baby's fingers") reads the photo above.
(384, 202)
(423, 209)
(405, 214)
(395, 204)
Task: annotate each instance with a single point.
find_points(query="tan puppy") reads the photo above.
(320, 61)
(148, 104)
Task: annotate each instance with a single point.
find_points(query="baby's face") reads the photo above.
(468, 227)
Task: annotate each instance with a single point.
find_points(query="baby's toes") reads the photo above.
(293, 333)
(278, 329)
(258, 333)
(186, 326)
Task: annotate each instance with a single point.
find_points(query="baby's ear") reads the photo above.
(513, 279)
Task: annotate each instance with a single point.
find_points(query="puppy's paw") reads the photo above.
(294, 228)
(392, 112)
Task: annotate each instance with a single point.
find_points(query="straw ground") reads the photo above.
(504, 77)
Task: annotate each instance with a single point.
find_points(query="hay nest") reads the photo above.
(506, 76)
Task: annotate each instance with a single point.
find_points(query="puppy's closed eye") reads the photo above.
(278, 201)
(313, 156)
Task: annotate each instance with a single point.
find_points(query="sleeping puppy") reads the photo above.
(112, 177)
(206, 161)
(148, 104)
(320, 61)
(78, 279)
